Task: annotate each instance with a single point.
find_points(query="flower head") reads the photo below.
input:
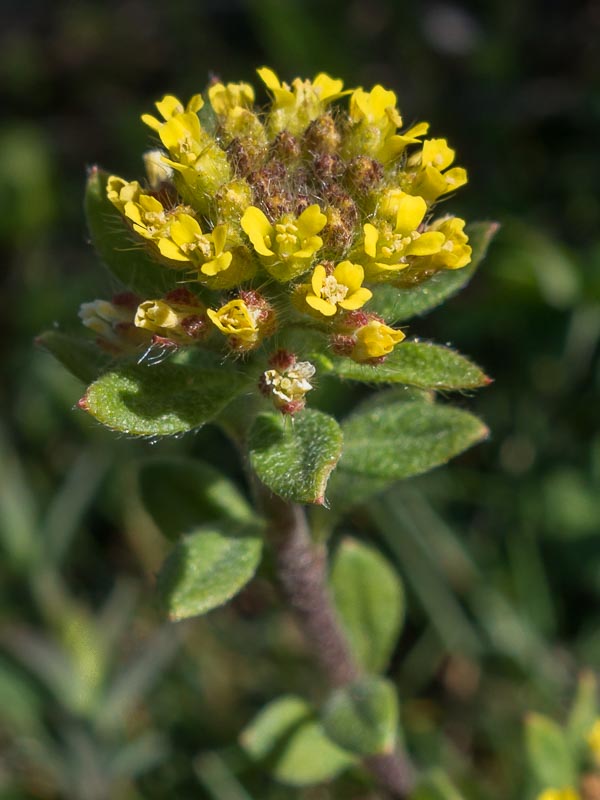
(245, 321)
(374, 341)
(337, 288)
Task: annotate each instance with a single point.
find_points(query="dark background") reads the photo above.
(499, 551)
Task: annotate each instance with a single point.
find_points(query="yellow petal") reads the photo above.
(356, 300)
(349, 274)
(256, 226)
(217, 264)
(411, 211)
(426, 245)
(311, 245)
(195, 103)
(318, 279)
(436, 153)
(219, 237)
(311, 221)
(269, 78)
(151, 121)
(328, 87)
(371, 238)
(322, 306)
(169, 249)
(168, 106)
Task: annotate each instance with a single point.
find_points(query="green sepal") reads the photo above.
(160, 399)
(419, 364)
(182, 493)
(398, 305)
(81, 357)
(294, 456)
(288, 739)
(548, 753)
(119, 249)
(369, 600)
(208, 567)
(362, 717)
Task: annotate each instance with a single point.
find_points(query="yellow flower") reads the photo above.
(147, 215)
(186, 242)
(455, 252)
(593, 740)
(374, 341)
(559, 794)
(295, 107)
(226, 97)
(388, 249)
(238, 322)
(431, 180)
(341, 288)
(287, 382)
(286, 248)
(377, 107)
(171, 106)
(120, 192)
(180, 317)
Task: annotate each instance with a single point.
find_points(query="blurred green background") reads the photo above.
(499, 552)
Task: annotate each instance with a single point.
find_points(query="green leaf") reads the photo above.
(160, 399)
(396, 441)
(397, 305)
(118, 247)
(548, 753)
(182, 493)
(436, 786)
(407, 439)
(81, 357)
(290, 741)
(363, 717)
(208, 567)
(584, 713)
(420, 364)
(369, 599)
(294, 457)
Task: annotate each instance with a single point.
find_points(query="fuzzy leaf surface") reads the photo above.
(295, 457)
(182, 493)
(118, 247)
(291, 743)
(81, 357)
(161, 399)
(420, 364)
(398, 305)
(369, 599)
(208, 567)
(548, 753)
(363, 717)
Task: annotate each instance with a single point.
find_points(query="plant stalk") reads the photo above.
(302, 571)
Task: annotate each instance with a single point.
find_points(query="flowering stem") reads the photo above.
(301, 569)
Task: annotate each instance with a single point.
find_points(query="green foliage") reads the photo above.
(289, 740)
(398, 441)
(398, 305)
(81, 357)
(295, 457)
(119, 250)
(363, 717)
(419, 364)
(436, 786)
(548, 753)
(181, 494)
(369, 599)
(161, 399)
(208, 567)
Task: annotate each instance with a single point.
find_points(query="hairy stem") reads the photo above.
(302, 570)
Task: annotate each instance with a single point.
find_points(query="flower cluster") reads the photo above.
(289, 215)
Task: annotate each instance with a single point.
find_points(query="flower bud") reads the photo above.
(180, 317)
(113, 322)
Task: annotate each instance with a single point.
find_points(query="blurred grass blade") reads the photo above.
(18, 512)
(217, 779)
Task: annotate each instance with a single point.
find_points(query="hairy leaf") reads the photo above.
(287, 738)
(208, 567)
(160, 399)
(294, 457)
(420, 364)
(81, 357)
(369, 599)
(363, 717)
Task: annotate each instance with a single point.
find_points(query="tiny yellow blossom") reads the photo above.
(341, 288)
(455, 253)
(432, 178)
(374, 341)
(295, 106)
(180, 317)
(388, 250)
(186, 242)
(377, 107)
(559, 794)
(120, 192)
(238, 322)
(286, 248)
(171, 106)
(225, 97)
(232, 103)
(287, 382)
